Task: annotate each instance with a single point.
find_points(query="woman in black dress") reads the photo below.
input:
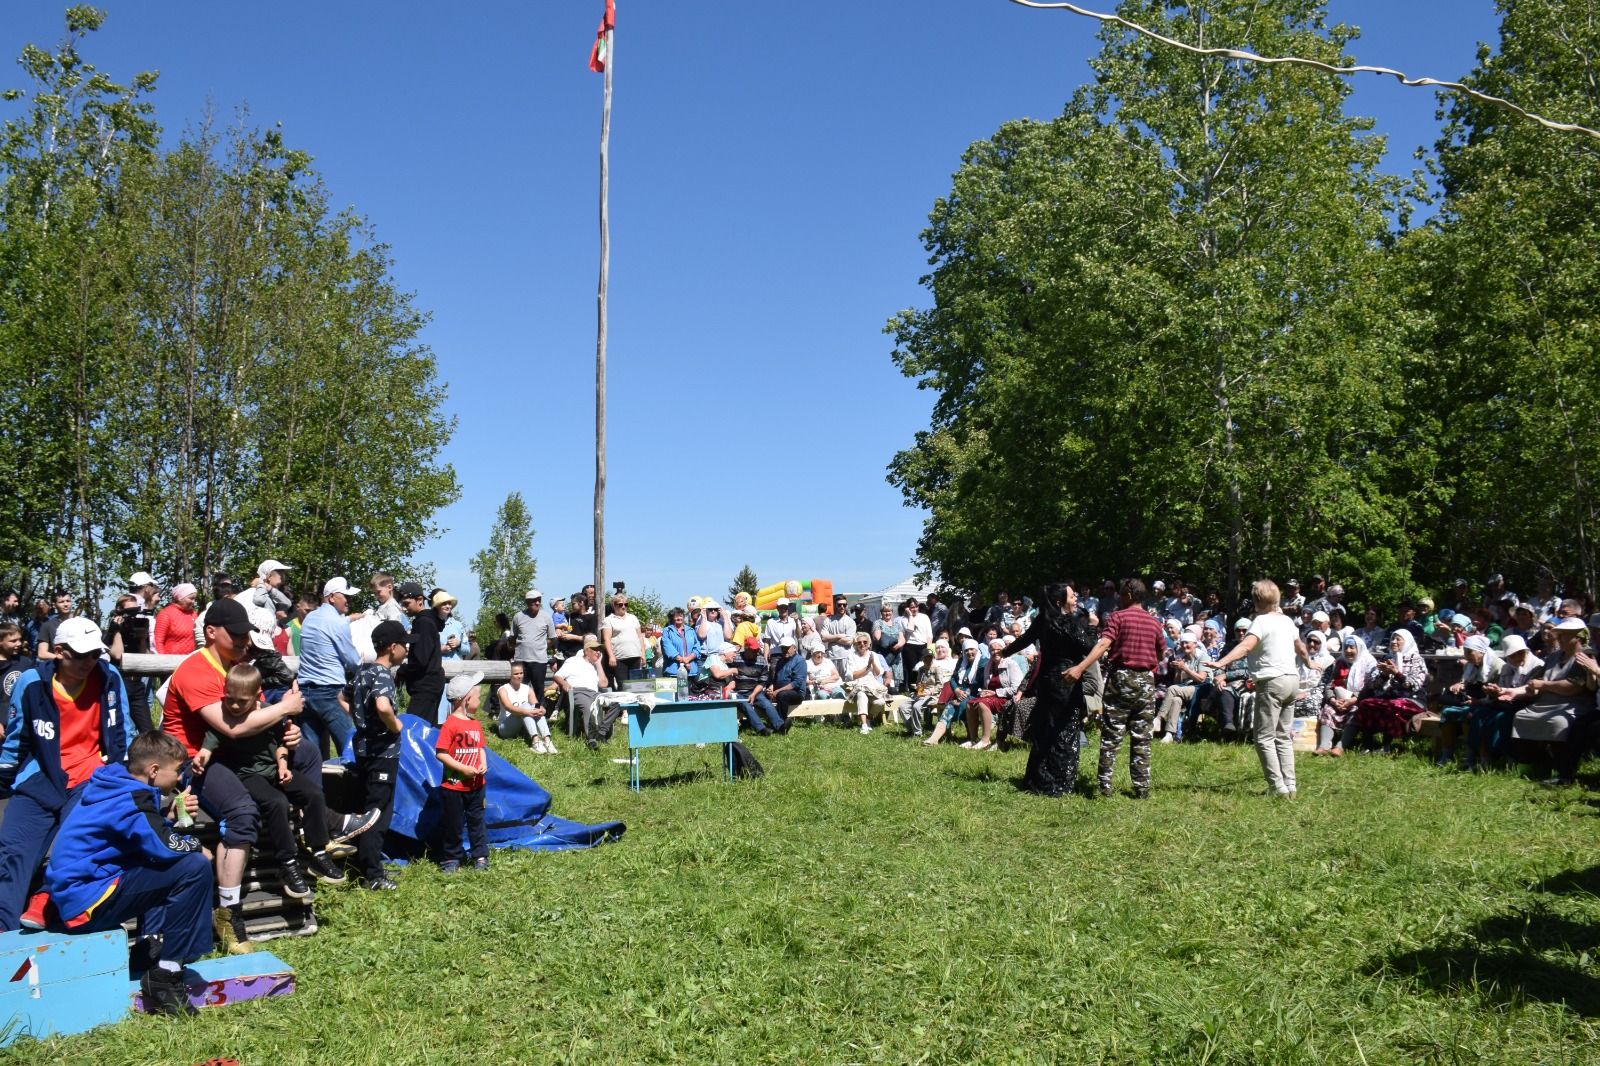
(1064, 639)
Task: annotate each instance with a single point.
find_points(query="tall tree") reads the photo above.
(207, 365)
(743, 581)
(1506, 276)
(505, 567)
(1160, 335)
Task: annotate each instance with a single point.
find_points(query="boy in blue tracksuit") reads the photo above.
(69, 718)
(117, 858)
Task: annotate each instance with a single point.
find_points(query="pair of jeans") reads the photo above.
(324, 719)
(173, 901)
(26, 834)
(276, 802)
(750, 708)
(457, 807)
(378, 777)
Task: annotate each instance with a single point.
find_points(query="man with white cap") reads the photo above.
(534, 629)
(1564, 700)
(328, 662)
(71, 718)
(779, 626)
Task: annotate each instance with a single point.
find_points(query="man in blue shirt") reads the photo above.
(787, 687)
(328, 661)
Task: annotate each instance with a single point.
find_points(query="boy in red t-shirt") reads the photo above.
(460, 751)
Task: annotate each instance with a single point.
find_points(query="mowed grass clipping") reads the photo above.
(871, 900)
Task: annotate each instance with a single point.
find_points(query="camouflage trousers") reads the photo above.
(1130, 707)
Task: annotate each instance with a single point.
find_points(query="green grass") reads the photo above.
(873, 901)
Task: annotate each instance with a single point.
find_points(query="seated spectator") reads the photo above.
(260, 760)
(1309, 696)
(116, 859)
(13, 664)
(581, 678)
(863, 680)
(522, 715)
(822, 678)
(67, 720)
(1371, 631)
(787, 684)
(1461, 700)
(1002, 685)
(745, 626)
(750, 689)
(1185, 670)
(1220, 696)
(1342, 684)
(1394, 696)
(1489, 727)
(715, 679)
(935, 677)
(1213, 637)
(1564, 699)
(965, 680)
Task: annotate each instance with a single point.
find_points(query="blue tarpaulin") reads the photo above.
(516, 809)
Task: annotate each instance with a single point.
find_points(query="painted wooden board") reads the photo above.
(231, 979)
(701, 722)
(56, 984)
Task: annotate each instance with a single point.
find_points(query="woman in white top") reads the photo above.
(863, 680)
(1273, 644)
(821, 677)
(624, 639)
(521, 713)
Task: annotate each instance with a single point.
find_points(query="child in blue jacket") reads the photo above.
(117, 858)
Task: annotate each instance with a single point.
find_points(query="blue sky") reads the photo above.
(772, 166)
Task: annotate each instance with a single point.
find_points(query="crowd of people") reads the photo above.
(103, 770)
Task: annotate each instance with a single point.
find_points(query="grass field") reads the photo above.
(870, 900)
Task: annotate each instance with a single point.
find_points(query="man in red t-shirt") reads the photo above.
(70, 718)
(1134, 644)
(194, 705)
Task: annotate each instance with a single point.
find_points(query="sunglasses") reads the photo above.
(68, 653)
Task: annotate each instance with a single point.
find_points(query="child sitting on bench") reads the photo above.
(261, 762)
(116, 858)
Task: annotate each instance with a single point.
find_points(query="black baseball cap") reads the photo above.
(387, 633)
(410, 590)
(230, 615)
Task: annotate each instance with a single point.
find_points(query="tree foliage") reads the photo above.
(743, 581)
(1167, 332)
(1506, 275)
(505, 567)
(207, 363)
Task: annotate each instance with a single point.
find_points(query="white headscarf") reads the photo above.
(1321, 658)
(1365, 666)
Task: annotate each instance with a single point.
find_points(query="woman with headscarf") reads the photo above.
(1396, 694)
(1479, 666)
(1489, 727)
(962, 686)
(930, 683)
(1308, 700)
(1214, 637)
(1064, 640)
(1342, 683)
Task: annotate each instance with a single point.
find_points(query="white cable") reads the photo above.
(1235, 53)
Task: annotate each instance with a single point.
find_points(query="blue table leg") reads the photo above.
(727, 750)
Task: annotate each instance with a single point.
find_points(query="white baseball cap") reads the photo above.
(786, 642)
(338, 586)
(532, 594)
(269, 566)
(783, 601)
(140, 580)
(462, 684)
(81, 635)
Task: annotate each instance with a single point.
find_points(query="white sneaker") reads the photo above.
(538, 745)
(865, 729)
(550, 748)
(1168, 738)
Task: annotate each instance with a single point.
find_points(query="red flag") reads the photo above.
(600, 51)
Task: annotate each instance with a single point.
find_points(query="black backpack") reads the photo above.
(744, 763)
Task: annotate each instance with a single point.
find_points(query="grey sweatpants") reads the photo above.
(1274, 720)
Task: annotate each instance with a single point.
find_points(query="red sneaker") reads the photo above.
(39, 912)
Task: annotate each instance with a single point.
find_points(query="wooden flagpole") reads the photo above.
(600, 341)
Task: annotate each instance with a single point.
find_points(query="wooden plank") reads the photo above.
(231, 979)
(672, 724)
(55, 984)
